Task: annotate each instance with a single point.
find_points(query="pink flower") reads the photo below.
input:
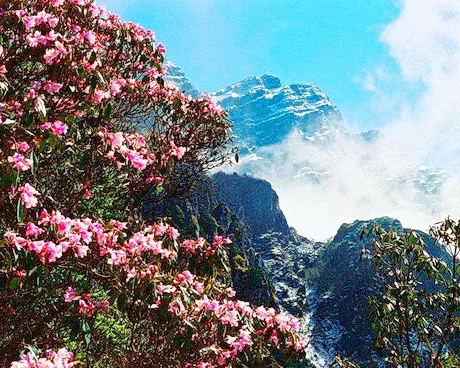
(283, 322)
(219, 240)
(230, 317)
(28, 195)
(53, 22)
(230, 292)
(33, 40)
(69, 295)
(19, 162)
(199, 287)
(33, 230)
(89, 36)
(60, 48)
(176, 151)
(173, 232)
(160, 288)
(131, 273)
(51, 86)
(137, 160)
(264, 314)
(100, 95)
(56, 2)
(29, 22)
(161, 49)
(3, 69)
(274, 338)
(85, 307)
(117, 257)
(185, 276)
(37, 246)
(82, 250)
(61, 359)
(45, 126)
(116, 85)
(50, 56)
(54, 251)
(23, 146)
(59, 128)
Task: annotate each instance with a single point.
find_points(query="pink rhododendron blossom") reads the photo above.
(69, 295)
(19, 162)
(89, 36)
(176, 151)
(51, 86)
(230, 292)
(51, 56)
(56, 2)
(33, 230)
(116, 86)
(22, 146)
(29, 195)
(100, 95)
(60, 359)
(59, 128)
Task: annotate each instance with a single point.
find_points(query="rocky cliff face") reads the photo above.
(342, 281)
(269, 260)
(284, 255)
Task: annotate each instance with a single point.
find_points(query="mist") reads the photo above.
(411, 171)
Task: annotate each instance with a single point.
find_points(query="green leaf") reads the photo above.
(88, 338)
(108, 110)
(85, 327)
(29, 120)
(14, 284)
(20, 211)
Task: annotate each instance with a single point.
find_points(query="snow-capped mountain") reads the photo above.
(176, 76)
(264, 111)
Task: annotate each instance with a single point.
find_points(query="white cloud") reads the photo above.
(362, 180)
(368, 83)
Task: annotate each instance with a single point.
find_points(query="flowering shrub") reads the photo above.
(87, 128)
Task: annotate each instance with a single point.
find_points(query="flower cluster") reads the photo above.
(263, 322)
(90, 80)
(60, 359)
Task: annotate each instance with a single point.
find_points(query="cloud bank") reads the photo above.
(412, 170)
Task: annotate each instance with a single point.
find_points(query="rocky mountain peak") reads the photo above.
(264, 111)
(251, 85)
(176, 76)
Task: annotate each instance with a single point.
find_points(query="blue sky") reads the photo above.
(387, 64)
(331, 43)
